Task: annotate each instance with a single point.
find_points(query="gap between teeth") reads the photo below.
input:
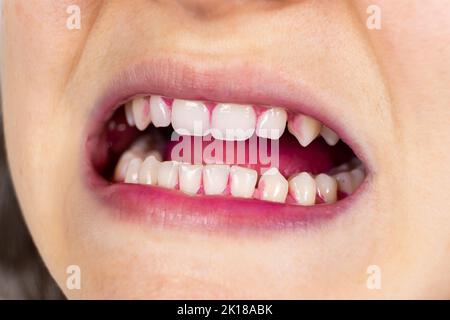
(216, 179)
(225, 121)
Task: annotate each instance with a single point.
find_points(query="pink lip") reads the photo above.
(232, 83)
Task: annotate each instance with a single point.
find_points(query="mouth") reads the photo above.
(171, 146)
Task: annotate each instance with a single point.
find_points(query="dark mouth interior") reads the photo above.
(117, 136)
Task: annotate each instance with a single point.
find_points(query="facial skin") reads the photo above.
(389, 87)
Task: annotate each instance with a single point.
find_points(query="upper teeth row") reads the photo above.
(225, 121)
(218, 179)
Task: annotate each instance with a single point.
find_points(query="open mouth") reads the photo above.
(207, 162)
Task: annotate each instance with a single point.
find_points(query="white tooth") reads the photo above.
(121, 168)
(271, 123)
(302, 188)
(329, 135)
(190, 177)
(304, 128)
(132, 174)
(148, 174)
(129, 114)
(168, 174)
(155, 154)
(345, 182)
(231, 121)
(159, 112)
(326, 188)
(243, 181)
(215, 178)
(141, 112)
(273, 186)
(357, 177)
(190, 117)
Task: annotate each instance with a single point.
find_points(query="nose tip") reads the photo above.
(209, 8)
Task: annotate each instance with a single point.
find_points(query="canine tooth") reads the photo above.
(121, 168)
(304, 128)
(141, 112)
(273, 186)
(326, 188)
(148, 174)
(231, 121)
(271, 123)
(132, 175)
(190, 117)
(302, 188)
(168, 174)
(243, 181)
(159, 112)
(215, 178)
(345, 182)
(190, 178)
(129, 114)
(329, 135)
(357, 177)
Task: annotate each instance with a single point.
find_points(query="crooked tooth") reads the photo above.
(345, 182)
(132, 174)
(148, 174)
(271, 123)
(215, 178)
(190, 178)
(329, 135)
(273, 186)
(141, 112)
(121, 168)
(243, 181)
(159, 112)
(231, 121)
(304, 128)
(302, 188)
(358, 176)
(326, 188)
(129, 114)
(168, 174)
(190, 117)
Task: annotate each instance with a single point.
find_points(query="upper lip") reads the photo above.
(233, 82)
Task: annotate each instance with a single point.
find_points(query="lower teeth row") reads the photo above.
(217, 179)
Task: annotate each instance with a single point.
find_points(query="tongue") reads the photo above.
(286, 153)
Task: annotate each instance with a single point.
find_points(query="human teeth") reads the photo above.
(271, 123)
(148, 174)
(273, 186)
(231, 121)
(326, 188)
(141, 112)
(168, 174)
(190, 178)
(302, 188)
(345, 182)
(121, 168)
(329, 135)
(243, 181)
(304, 128)
(132, 174)
(190, 117)
(357, 177)
(129, 114)
(215, 178)
(159, 112)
